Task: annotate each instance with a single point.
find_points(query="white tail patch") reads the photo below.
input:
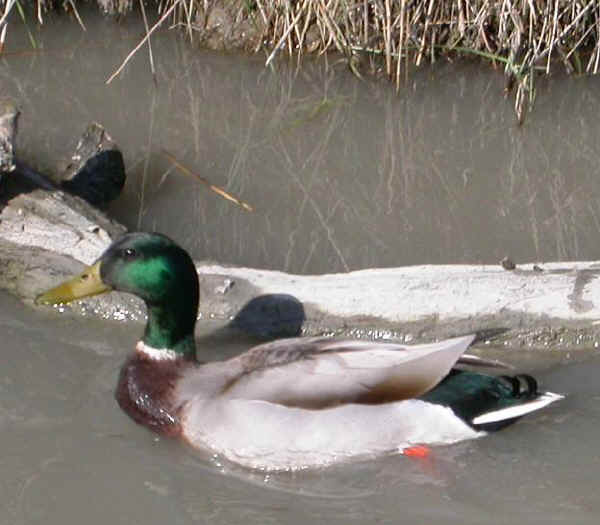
(503, 414)
(158, 354)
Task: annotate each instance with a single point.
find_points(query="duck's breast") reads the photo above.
(145, 392)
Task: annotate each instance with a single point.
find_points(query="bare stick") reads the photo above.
(143, 41)
(217, 189)
(7, 9)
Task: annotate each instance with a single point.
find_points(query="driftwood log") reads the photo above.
(48, 236)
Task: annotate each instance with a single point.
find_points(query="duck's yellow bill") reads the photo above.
(86, 284)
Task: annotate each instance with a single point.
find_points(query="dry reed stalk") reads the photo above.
(143, 41)
(76, 14)
(3, 22)
(290, 27)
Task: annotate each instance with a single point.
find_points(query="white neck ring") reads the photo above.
(157, 354)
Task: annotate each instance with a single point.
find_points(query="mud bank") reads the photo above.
(49, 236)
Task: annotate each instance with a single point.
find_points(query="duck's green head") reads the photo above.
(155, 269)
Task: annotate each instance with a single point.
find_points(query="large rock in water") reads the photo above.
(48, 236)
(96, 171)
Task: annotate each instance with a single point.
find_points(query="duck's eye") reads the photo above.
(129, 253)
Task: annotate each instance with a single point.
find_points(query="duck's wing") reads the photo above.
(474, 361)
(322, 372)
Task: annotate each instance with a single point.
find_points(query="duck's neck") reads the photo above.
(171, 327)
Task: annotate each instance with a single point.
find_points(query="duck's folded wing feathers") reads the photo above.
(320, 372)
(474, 361)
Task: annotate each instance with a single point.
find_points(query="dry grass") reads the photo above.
(524, 37)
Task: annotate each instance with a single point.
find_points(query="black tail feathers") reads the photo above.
(523, 385)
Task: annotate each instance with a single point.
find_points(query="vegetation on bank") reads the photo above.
(525, 37)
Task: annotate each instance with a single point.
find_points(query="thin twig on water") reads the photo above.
(217, 189)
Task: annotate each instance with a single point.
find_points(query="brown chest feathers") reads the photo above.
(145, 392)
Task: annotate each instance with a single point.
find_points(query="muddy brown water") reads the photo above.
(343, 174)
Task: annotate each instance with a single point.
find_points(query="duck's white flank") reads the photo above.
(268, 436)
(158, 354)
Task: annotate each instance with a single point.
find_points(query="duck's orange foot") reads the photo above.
(417, 451)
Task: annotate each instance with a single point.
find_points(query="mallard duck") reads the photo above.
(290, 403)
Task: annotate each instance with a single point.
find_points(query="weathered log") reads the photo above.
(49, 236)
(58, 222)
(555, 307)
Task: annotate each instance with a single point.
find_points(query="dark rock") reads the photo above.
(28, 175)
(508, 264)
(96, 171)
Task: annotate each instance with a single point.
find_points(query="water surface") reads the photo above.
(71, 455)
(343, 174)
